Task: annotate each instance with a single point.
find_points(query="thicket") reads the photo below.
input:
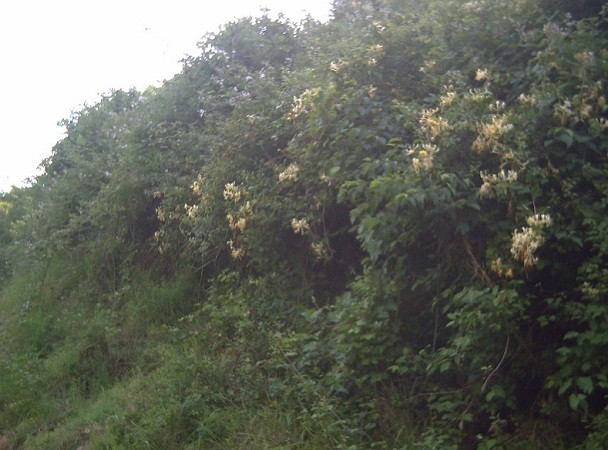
(386, 231)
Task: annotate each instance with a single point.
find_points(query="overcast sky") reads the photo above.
(59, 54)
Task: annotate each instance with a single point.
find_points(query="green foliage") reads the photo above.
(387, 231)
(15, 207)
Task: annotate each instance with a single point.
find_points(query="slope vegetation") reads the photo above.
(387, 231)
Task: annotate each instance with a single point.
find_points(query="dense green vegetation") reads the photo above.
(387, 231)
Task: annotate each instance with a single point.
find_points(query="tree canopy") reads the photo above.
(386, 231)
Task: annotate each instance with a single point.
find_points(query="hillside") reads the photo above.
(386, 231)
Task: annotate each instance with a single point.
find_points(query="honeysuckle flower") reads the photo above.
(490, 181)
(300, 226)
(490, 133)
(481, 74)
(525, 242)
(232, 192)
(433, 124)
(290, 174)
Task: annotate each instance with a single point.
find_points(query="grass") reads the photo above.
(130, 369)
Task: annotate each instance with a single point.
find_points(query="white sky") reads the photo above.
(59, 54)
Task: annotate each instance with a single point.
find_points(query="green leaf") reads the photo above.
(445, 365)
(566, 138)
(585, 384)
(565, 386)
(573, 401)
(334, 170)
(577, 401)
(463, 228)
(571, 335)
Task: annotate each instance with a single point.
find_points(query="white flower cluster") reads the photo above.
(318, 249)
(527, 99)
(448, 98)
(374, 52)
(525, 242)
(337, 66)
(490, 181)
(236, 252)
(303, 103)
(425, 155)
(300, 226)
(500, 269)
(539, 220)
(432, 124)
(191, 210)
(238, 223)
(290, 174)
(490, 133)
(232, 192)
(481, 74)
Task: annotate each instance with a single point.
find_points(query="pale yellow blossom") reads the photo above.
(477, 95)
(378, 26)
(300, 226)
(490, 133)
(540, 220)
(232, 192)
(490, 181)
(481, 74)
(318, 249)
(602, 123)
(237, 253)
(524, 243)
(448, 98)
(527, 99)
(236, 224)
(376, 50)
(191, 210)
(585, 111)
(240, 224)
(564, 112)
(246, 208)
(290, 174)
(497, 106)
(433, 124)
(424, 158)
(428, 65)
(501, 269)
(303, 103)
